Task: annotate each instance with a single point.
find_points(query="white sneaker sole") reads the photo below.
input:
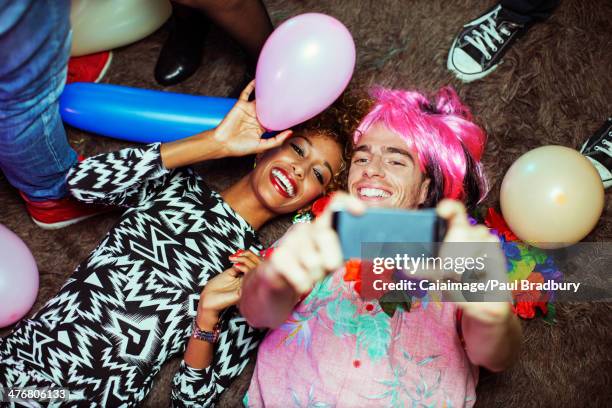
(464, 77)
(105, 68)
(61, 224)
(604, 173)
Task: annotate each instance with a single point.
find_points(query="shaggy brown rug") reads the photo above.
(554, 87)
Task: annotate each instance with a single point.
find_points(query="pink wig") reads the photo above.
(448, 145)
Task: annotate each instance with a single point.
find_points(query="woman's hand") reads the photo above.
(224, 290)
(240, 132)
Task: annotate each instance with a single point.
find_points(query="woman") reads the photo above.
(129, 306)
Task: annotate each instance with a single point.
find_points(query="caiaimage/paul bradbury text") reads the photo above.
(492, 284)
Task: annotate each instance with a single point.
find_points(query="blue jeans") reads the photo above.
(35, 40)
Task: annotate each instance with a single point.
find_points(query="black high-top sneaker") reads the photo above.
(598, 149)
(481, 44)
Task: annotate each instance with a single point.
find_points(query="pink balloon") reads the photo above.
(303, 68)
(18, 278)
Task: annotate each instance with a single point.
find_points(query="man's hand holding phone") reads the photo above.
(309, 251)
(480, 241)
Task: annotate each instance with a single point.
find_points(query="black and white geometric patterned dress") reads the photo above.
(129, 306)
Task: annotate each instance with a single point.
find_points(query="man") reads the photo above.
(335, 348)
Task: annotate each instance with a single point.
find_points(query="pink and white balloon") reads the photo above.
(304, 66)
(18, 278)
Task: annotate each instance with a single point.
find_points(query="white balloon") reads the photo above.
(100, 25)
(552, 197)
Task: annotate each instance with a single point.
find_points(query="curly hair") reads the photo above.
(336, 123)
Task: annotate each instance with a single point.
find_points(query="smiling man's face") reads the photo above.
(384, 173)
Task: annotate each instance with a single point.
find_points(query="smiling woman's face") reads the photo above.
(292, 176)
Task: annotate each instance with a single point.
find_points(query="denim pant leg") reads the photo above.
(35, 42)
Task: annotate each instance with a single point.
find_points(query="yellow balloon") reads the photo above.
(100, 25)
(552, 197)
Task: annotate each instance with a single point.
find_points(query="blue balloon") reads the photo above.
(140, 115)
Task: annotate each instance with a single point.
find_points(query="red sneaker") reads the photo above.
(88, 68)
(56, 214)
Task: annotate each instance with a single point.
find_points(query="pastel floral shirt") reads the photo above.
(337, 350)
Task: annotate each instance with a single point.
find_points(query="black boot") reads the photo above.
(181, 54)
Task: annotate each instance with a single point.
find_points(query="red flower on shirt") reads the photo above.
(352, 273)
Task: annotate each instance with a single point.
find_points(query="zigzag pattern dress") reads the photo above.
(129, 306)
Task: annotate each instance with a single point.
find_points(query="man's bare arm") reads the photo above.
(492, 336)
(267, 299)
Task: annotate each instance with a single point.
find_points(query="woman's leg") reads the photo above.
(181, 54)
(247, 21)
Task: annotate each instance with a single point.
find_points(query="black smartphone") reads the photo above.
(385, 229)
